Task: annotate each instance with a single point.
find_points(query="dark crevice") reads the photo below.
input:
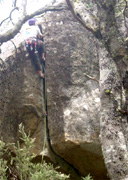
(98, 35)
(58, 160)
(62, 163)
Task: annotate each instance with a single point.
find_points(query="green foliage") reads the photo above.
(3, 168)
(107, 91)
(3, 163)
(22, 162)
(88, 4)
(21, 166)
(23, 157)
(46, 172)
(120, 8)
(87, 178)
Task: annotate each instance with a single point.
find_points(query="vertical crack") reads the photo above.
(57, 160)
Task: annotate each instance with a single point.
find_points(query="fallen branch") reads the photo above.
(123, 112)
(91, 77)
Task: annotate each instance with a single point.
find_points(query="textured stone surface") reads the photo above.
(113, 67)
(20, 99)
(73, 98)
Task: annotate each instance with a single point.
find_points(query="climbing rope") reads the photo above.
(31, 47)
(45, 107)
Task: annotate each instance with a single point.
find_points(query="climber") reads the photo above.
(34, 44)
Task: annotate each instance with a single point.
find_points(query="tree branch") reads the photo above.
(11, 33)
(91, 77)
(15, 1)
(92, 26)
(123, 112)
(9, 17)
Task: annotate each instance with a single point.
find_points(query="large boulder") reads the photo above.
(73, 97)
(73, 102)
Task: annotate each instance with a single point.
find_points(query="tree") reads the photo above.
(108, 22)
(23, 17)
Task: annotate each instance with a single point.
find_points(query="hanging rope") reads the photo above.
(45, 108)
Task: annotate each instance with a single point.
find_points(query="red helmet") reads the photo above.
(31, 21)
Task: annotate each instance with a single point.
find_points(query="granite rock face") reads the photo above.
(20, 99)
(73, 98)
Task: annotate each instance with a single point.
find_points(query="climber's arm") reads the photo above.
(39, 34)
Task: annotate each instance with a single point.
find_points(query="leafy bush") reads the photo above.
(87, 178)
(3, 163)
(20, 166)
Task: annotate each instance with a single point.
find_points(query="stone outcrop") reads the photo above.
(73, 98)
(20, 99)
(109, 24)
(73, 102)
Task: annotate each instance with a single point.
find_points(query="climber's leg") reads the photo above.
(35, 61)
(41, 49)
